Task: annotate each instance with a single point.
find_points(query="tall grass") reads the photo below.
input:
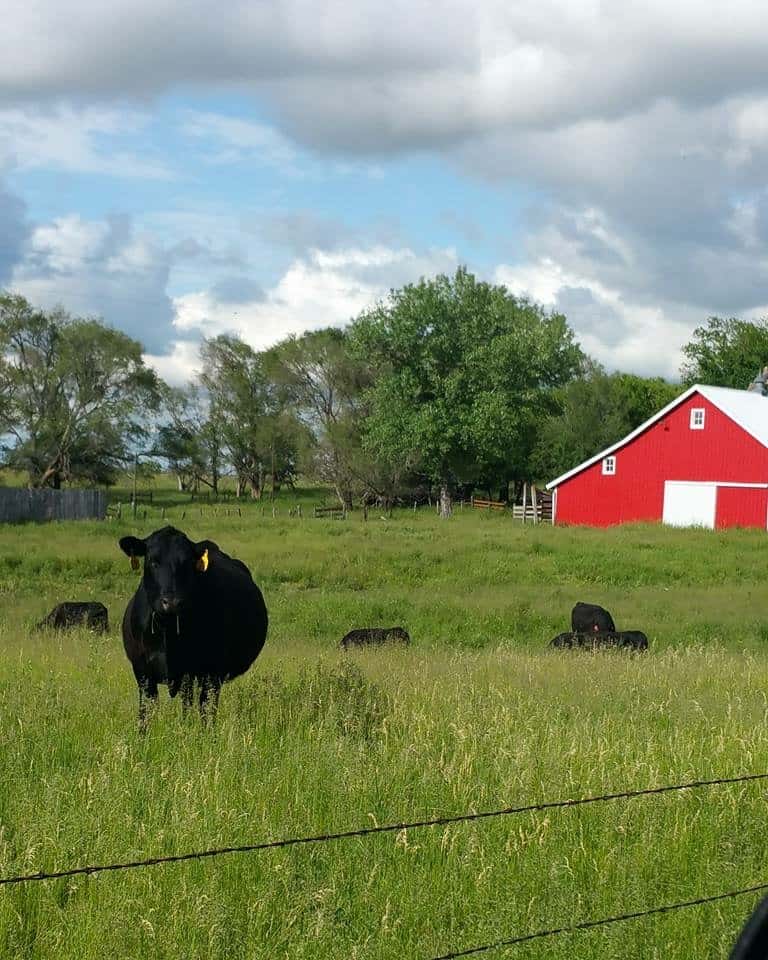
(477, 714)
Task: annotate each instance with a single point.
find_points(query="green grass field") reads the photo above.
(477, 714)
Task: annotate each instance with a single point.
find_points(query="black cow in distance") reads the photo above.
(196, 620)
(591, 618)
(75, 613)
(374, 636)
(632, 639)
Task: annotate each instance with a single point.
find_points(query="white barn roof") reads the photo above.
(748, 410)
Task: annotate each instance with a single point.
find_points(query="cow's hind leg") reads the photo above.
(210, 688)
(147, 700)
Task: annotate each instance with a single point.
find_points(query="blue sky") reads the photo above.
(267, 169)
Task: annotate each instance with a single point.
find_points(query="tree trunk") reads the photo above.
(345, 497)
(446, 502)
(272, 471)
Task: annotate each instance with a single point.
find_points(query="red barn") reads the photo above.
(701, 461)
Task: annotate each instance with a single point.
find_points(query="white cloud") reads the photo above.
(642, 128)
(322, 289)
(180, 365)
(234, 140)
(68, 139)
(99, 268)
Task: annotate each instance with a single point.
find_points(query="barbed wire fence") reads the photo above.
(91, 869)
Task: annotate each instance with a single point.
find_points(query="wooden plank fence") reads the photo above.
(336, 513)
(17, 505)
(488, 504)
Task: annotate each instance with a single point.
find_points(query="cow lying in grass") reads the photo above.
(374, 636)
(632, 639)
(76, 614)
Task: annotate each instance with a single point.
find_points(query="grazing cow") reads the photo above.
(374, 636)
(77, 614)
(197, 619)
(590, 618)
(633, 639)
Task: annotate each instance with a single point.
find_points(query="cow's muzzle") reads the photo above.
(169, 604)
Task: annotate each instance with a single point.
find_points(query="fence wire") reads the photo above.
(605, 921)
(370, 831)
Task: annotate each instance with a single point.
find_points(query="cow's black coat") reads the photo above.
(633, 639)
(187, 626)
(374, 636)
(591, 618)
(77, 614)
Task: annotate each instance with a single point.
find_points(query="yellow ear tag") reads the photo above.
(135, 562)
(202, 563)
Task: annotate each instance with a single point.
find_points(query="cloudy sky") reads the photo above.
(184, 168)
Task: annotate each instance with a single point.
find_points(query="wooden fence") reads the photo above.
(488, 504)
(536, 506)
(17, 505)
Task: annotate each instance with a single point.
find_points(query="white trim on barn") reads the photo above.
(718, 483)
(748, 410)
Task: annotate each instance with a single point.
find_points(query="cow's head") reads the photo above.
(172, 566)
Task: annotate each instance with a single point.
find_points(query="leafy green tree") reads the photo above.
(75, 394)
(326, 384)
(726, 352)
(186, 439)
(464, 371)
(249, 414)
(592, 413)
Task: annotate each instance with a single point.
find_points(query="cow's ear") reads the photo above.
(134, 548)
(203, 551)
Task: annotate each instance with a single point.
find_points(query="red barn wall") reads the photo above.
(741, 507)
(667, 450)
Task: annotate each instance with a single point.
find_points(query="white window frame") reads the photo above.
(698, 418)
(609, 466)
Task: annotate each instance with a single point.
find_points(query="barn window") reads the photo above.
(609, 466)
(697, 418)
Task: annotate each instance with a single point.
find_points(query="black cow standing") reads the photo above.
(591, 618)
(197, 619)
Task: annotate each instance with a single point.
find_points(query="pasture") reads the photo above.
(477, 714)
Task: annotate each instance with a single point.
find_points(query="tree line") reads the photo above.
(445, 386)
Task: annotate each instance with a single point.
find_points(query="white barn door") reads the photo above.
(690, 504)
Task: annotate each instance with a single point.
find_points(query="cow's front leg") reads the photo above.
(147, 700)
(187, 693)
(210, 688)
